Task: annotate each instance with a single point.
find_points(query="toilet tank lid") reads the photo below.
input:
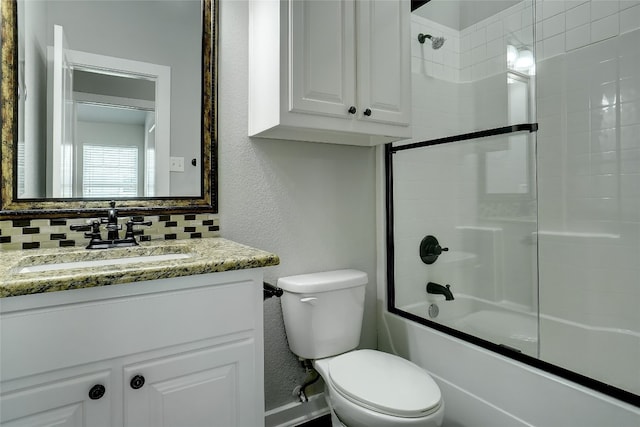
(324, 281)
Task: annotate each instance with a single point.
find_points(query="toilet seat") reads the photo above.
(384, 383)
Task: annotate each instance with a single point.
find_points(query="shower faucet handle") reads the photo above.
(430, 249)
(437, 249)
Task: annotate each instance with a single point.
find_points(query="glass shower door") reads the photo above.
(483, 282)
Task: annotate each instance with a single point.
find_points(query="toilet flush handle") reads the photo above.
(309, 300)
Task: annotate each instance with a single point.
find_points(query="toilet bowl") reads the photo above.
(368, 388)
(364, 388)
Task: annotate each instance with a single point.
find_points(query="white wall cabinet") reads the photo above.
(333, 71)
(173, 352)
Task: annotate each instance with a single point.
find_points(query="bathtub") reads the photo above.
(499, 323)
(571, 345)
(484, 388)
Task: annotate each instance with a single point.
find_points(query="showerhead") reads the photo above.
(436, 42)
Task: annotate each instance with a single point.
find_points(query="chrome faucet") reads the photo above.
(435, 288)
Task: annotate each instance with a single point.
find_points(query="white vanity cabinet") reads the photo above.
(194, 388)
(60, 401)
(333, 71)
(174, 352)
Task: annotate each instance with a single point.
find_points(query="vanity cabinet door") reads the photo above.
(214, 386)
(84, 400)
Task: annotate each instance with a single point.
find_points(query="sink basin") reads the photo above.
(100, 258)
(101, 263)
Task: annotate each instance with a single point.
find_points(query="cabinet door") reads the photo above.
(64, 403)
(210, 387)
(384, 61)
(322, 57)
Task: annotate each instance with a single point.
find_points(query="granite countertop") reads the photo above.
(201, 256)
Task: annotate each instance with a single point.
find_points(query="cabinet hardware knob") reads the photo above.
(97, 391)
(367, 112)
(137, 382)
(352, 110)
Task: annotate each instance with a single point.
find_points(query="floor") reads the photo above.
(324, 421)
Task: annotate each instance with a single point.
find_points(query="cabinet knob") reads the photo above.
(97, 391)
(367, 112)
(352, 110)
(137, 382)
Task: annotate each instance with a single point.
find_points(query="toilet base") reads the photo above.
(335, 421)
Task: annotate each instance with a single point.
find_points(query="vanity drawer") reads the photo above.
(48, 338)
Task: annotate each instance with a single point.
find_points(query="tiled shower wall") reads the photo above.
(483, 46)
(588, 167)
(460, 88)
(475, 52)
(54, 233)
(588, 176)
(589, 188)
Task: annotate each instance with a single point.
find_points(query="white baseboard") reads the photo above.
(296, 413)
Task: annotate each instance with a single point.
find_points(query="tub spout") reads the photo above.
(435, 288)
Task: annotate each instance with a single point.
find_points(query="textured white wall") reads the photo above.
(312, 204)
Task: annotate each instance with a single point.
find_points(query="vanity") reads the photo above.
(135, 343)
(168, 332)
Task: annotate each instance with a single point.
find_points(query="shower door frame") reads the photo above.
(503, 350)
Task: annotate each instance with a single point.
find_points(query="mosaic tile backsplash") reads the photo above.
(53, 233)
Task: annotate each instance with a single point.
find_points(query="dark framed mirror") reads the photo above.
(126, 113)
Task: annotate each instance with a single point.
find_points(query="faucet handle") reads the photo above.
(430, 249)
(80, 227)
(93, 227)
(130, 233)
(95, 231)
(439, 249)
(92, 230)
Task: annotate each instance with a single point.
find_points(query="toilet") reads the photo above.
(364, 388)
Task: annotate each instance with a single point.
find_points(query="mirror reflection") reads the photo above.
(109, 99)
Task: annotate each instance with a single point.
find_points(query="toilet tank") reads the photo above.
(323, 312)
